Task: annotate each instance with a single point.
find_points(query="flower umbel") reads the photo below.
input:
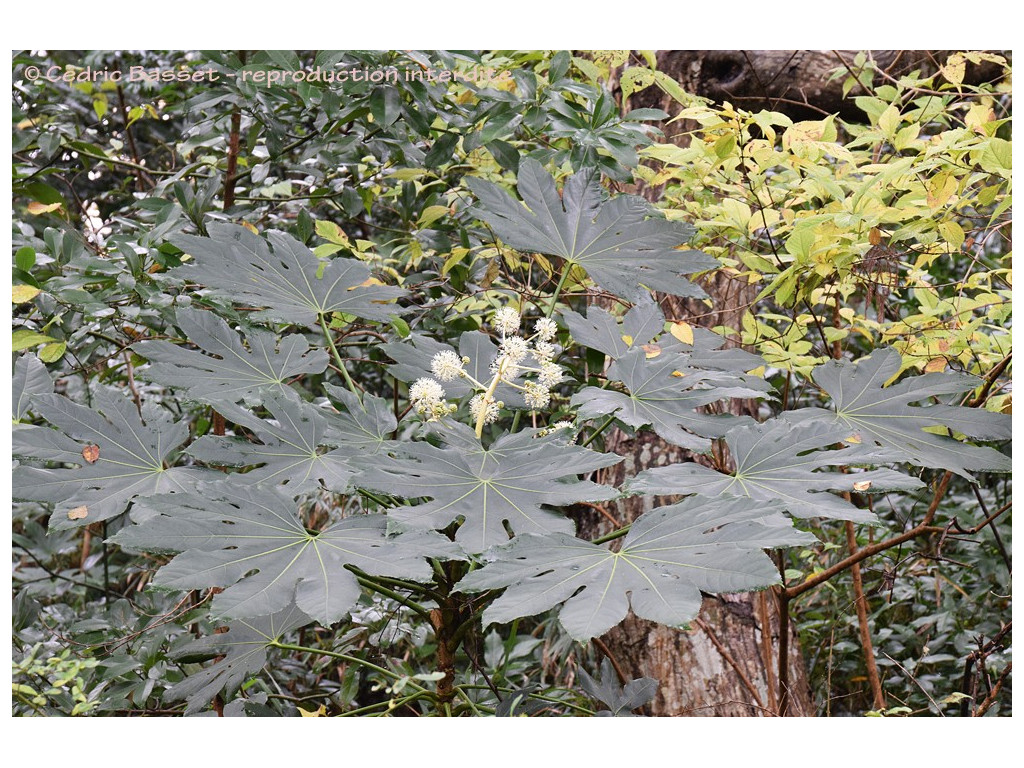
(427, 398)
(484, 408)
(545, 328)
(536, 396)
(506, 321)
(447, 365)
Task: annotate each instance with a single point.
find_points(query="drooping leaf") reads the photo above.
(252, 542)
(621, 700)
(622, 243)
(779, 461)
(668, 557)
(364, 426)
(243, 647)
(131, 457)
(413, 355)
(230, 370)
(602, 331)
(290, 450)
(30, 378)
(514, 482)
(282, 277)
(886, 417)
(664, 392)
(642, 326)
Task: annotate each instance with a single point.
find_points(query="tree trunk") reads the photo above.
(793, 82)
(726, 663)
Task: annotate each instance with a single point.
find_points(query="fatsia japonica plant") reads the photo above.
(446, 484)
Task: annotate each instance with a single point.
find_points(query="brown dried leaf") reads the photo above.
(91, 452)
(78, 513)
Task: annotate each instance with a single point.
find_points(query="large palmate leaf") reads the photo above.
(668, 557)
(117, 457)
(511, 482)
(620, 699)
(230, 370)
(642, 327)
(252, 542)
(665, 393)
(30, 378)
(290, 450)
(601, 330)
(779, 462)
(886, 417)
(413, 355)
(282, 277)
(243, 651)
(364, 426)
(624, 244)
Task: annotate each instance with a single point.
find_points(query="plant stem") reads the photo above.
(611, 536)
(352, 660)
(598, 431)
(325, 327)
(558, 288)
(379, 588)
(488, 396)
(861, 603)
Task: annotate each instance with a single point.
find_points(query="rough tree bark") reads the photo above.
(726, 664)
(793, 82)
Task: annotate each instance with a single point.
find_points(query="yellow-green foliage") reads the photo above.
(909, 209)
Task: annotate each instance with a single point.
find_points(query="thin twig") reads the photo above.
(994, 693)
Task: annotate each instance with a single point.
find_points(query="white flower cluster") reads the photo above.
(427, 398)
(506, 321)
(447, 365)
(556, 427)
(483, 407)
(517, 357)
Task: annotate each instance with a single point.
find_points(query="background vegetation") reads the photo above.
(835, 237)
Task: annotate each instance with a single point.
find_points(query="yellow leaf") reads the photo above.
(250, 227)
(683, 332)
(935, 365)
(651, 350)
(320, 711)
(854, 439)
(628, 340)
(37, 209)
(367, 283)
(78, 513)
(940, 189)
(332, 233)
(23, 293)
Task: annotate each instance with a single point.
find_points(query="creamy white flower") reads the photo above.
(504, 366)
(506, 321)
(550, 374)
(447, 365)
(542, 351)
(427, 398)
(556, 427)
(536, 396)
(545, 328)
(426, 391)
(514, 348)
(483, 403)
